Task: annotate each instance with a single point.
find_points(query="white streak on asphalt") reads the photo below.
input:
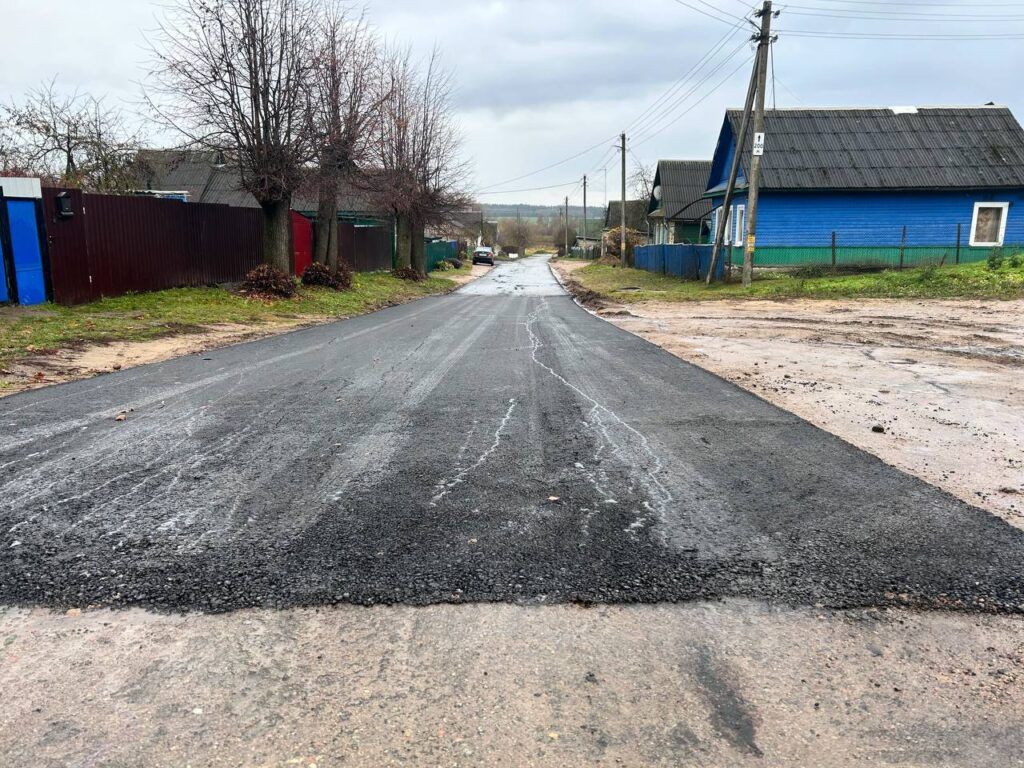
(660, 495)
(460, 478)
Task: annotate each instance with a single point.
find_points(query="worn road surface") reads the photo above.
(499, 445)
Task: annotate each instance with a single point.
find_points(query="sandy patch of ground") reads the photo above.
(732, 685)
(479, 270)
(943, 379)
(86, 361)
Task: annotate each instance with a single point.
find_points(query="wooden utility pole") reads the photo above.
(567, 226)
(585, 217)
(754, 186)
(622, 238)
(740, 143)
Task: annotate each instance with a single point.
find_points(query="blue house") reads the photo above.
(919, 184)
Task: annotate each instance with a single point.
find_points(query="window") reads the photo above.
(989, 225)
(741, 224)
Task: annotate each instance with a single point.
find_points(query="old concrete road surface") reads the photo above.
(497, 445)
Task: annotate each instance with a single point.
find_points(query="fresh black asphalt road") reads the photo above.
(497, 444)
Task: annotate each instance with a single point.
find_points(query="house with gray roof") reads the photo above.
(636, 216)
(901, 183)
(678, 211)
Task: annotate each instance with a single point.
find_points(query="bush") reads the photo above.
(408, 273)
(995, 259)
(444, 266)
(1016, 260)
(321, 275)
(456, 263)
(266, 280)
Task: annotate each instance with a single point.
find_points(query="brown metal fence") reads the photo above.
(112, 245)
(365, 249)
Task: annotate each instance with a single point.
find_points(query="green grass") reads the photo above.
(142, 316)
(971, 281)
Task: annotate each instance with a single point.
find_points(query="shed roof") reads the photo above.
(636, 215)
(207, 181)
(682, 185)
(889, 149)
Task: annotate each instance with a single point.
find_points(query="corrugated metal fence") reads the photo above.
(441, 250)
(690, 262)
(112, 245)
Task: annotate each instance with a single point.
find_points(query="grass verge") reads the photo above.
(28, 331)
(970, 281)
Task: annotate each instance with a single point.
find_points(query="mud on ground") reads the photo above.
(943, 379)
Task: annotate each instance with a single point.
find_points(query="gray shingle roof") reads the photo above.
(636, 215)
(883, 149)
(682, 189)
(195, 172)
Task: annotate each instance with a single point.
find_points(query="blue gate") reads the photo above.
(22, 267)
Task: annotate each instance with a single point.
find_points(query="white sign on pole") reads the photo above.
(758, 145)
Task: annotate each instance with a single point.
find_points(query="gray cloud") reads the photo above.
(540, 80)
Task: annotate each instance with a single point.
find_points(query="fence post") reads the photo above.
(959, 235)
(833, 251)
(903, 246)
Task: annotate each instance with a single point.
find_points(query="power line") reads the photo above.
(898, 35)
(549, 167)
(683, 98)
(924, 4)
(696, 104)
(674, 88)
(531, 189)
(729, 16)
(873, 15)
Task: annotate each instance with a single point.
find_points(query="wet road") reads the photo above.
(496, 445)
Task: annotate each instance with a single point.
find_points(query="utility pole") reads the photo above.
(567, 226)
(754, 187)
(606, 222)
(519, 230)
(622, 239)
(585, 216)
(741, 143)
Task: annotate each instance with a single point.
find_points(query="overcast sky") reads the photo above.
(541, 80)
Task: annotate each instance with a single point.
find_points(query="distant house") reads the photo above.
(190, 176)
(904, 180)
(203, 177)
(678, 210)
(636, 216)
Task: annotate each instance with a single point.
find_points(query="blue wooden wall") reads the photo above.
(877, 218)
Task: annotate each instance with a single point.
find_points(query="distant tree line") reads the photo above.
(295, 94)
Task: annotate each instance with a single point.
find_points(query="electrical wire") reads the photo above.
(531, 189)
(700, 101)
(729, 16)
(833, 35)
(645, 134)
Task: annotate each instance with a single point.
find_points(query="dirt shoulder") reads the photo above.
(942, 378)
(41, 347)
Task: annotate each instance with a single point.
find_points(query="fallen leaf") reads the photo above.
(121, 417)
(553, 498)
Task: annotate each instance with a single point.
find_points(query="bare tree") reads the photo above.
(418, 149)
(641, 181)
(235, 76)
(70, 139)
(346, 106)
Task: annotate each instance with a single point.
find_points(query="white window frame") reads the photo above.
(740, 223)
(1002, 224)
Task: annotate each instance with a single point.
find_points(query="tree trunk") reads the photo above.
(277, 234)
(419, 249)
(403, 258)
(327, 226)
